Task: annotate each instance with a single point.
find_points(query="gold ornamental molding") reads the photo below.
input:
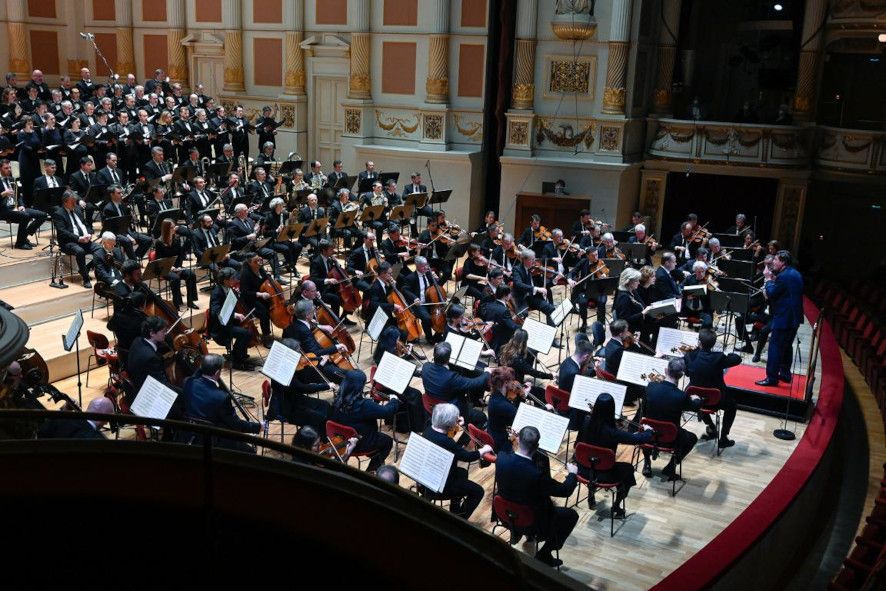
(360, 82)
(353, 118)
(472, 130)
(437, 86)
(519, 133)
(573, 75)
(295, 79)
(396, 126)
(613, 100)
(433, 126)
(566, 137)
(523, 95)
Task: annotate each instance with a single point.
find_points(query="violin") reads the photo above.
(683, 348)
(281, 312)
(600, 270)
(616, 253)
(406, 320)
(512, 253)
(539, 269)
(514, 391)
(631, 341)
(542, 234)
(335, 447)
(512, 307)
(650, 242)
(700, 235)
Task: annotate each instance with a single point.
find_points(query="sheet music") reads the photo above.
(585, 391)
(668, 306)
(562, 311)
(377, 324)
(70, 338)
(153, 400)
(394, 373)
(669, 339)
(426, 463)
(634, 365)
(465, 351)
(541, 336)
(280, 363)
(695, 289)
(550, 426)
(228, 307)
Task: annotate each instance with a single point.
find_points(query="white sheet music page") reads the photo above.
(153, 400)
(426, 463)
(585, 391)
(670, 339)
(551, 426)
(635, 368)
(541, 336)
(394, 373)
(377, 324)
(562, 311)
(228, 307)
(280, 363)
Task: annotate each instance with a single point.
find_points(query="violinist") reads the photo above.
(109, 261)
(706, 368)
(350, 408)
(493, 280)
(308, 438)
(533, 233)
(252, 275)
(682, 244)
(358, 262)
(464, 495)
(275, 220)
(582, 227)
(576, 364)
(608, 248)
(395, 248)
(500, 311)
(622, 340)
(699, 305)
(640, 237)
(504, 256)
(526, 294)
(488, 239)
(701, 255)
(437, 240)
(319, 274)
(599, 429)
(292, 402)
(488, 223)
(558, 253)
(115, 208)
(169, 246)
(741, 226)
(457, 323)
(442, 384)
(302, 330)
(414, 410)
(515, 355)
(636, 220)
(591, 266)
(502, 409)
(232, 334)
(474, 271)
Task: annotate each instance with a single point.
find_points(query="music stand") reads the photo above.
(346, 219)
(219, 169)
(119, 225)
(371, 213)
(730, 303)
(184, 174)
(158, 269)
(401, 214)
(730, 240)
(615, 266)
(605, 286)
(290, 232)
(621, 236)
(365, 185)
(417, 200)
(737, 269)
(167, 214)
(318, 226)
(213, 213)
(742, 254)
(345, 182)
(440, 197)
(211, 256)
(47, 199)
(456, 251)
(386, 176)
(289, 166)
(733, 285)
(634, 251)
(95, 194)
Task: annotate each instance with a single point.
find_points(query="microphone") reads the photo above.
(87, 35)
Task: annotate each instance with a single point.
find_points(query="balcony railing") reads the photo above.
(851, 150)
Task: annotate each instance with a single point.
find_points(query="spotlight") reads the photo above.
(881, 38)
(778, 7)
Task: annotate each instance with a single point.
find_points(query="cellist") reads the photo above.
(252, 275)
(418, 283)
(302, 330)
(321, 264)
(231, 333)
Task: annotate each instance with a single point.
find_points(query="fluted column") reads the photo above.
(177, 55)
(617, 66)
(667, 53)
(523, 91)
(233, 46)
(19, 52)
(294, 58)
(808, 67)
(125, 46)
(359, 13)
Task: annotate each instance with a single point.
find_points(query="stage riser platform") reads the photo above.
(770, 405)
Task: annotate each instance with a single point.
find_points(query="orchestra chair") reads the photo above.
(103, 354)
(128, 389)
(519, 520)
(596, 458)
(102, 291)
(380, 398)
(605, 375)
(337, 429)
(559, 399)
(710, 400)
(11, 235)
(664, 439)
(429, 402)
(265, 407)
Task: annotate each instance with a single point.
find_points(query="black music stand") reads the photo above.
(158, 269)
(317, 227)
(384, 177)
(371, 213)
(401, 214)
(440, 197)
(417, 200)
(166, 214)
(733, 285)
(737, 269)
(345, 182)
(742, 254)
(211, 257)
(615, 266)
(289, 167)
(621, 236)
(365, 185)
(184, 174)
(219, 169)
(634, 251)
(730, 303)
(729, 240)
(47, 200)
(95, 194)
(119, 225)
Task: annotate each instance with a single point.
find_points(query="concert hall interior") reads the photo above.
(566, 293)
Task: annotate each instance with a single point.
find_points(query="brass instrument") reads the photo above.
(204, 166)
(318, 180)
(241, 165)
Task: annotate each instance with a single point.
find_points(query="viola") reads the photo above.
(350, 295)
(406, 320)
(514, 391)
(600, 271)
(325, 315)
(281, 312)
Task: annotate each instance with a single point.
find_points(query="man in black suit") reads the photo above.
(681, 245)
(85, 85)
(157, 167)
(348, 234)
(614, 348)
(12, 208)
(274, 221)
(243, 234)
(199, 197)
(126, 322)
(337, 175)
(48, 180)
(463, 493)
(114, 208)
(230, 334)
(446, 385)
(527, 295)
(111, 174)
(81, 181)
(142, 133)
(377, 295)
(665, 287)
(307, 214)
(146, 360)
(78, 428)
(260, 189)
(417, 283)
(665, 401)
(369, 173)
(302, 331)
(319, 274)
(73, 234)
(496, 311)
(705, 368)
(109, 261)
(205, 236)
(699, 304)
(358, 260)
(521, 479)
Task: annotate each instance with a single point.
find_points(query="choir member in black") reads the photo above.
(348, 234)
(699, 305)
(126, 323)
(464, 495)
(581, 295)
(681, 245)
(109, 261)
(275, 220)
(505, 255)
(231, 335)
(28, 141)
(13, 209)
(52, 137)
(292, 403)
(141, 135)
(204, 237)
(252, 275)
(307, 214)
(134, 244)
(302, 330)
(168, 245)
(474, 272)
(501, 409)
(111, 174)
(627, 305)
(369, 173)
(204, 134)
(500, 315)
(223, 135)
(445, 385)
(705, 368)
(417, 285)
(350, 408)
(240, 130)
(81, 181)
(515, 355)
(527, 295)
(525, 477)
(243, 238)
(358, 260)
(414, 409)
(394, 247)
(665, 401)
(100, 132)
(599, 429)
(73, 234)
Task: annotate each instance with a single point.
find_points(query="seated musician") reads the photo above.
(499, 313)
(648, 295)
(579, 363)
(302, 331)
(640, 237)
(169, 246)
(126, 323)
(292, 403)
(706, 368)
(527, 295)
(474, 272)
(261, 189)
(395, 248)
(328, 289)
(437, 236)
(132, 278)
(115, 208)
(344, 203)
(205, 236)
(389, 342)
(741, 225)
(244, 236)
(581, 296)
(501, 409)
(619, 342)
(199, 198)
(599, 429)
(427, 211)
(358, 260)
(464, 494)
(338, 176)
(157, 167)
(307, 214)
(252, 275)
(515, 355)
(373, 198)
(665, 401)
(445, 385)
(274, 222)
(483, 228)
(350, 408)
(417, 285)
(627, 305)
(156, 206)
(13, 210)
(266, 156)
(525, 477)
(666, 286)
(298, 180)
(208, 401)
(557, 254)
(682, 245)
(74, 234)
(308, 438)
(109, 261)
(393, 197)
(494, 278)
(528, 237)
(505, 255)
(232, 334)
(78, 428)
(457, 323)
(81, 181)
(699, 305)
(145, 359)
(608, 248)
(488, 240)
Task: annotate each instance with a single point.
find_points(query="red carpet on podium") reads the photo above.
(743, 377)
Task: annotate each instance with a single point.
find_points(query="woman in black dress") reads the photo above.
(388, 342)
(169, 245)
(515, 355)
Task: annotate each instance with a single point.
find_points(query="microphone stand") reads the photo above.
(91, 38)
(783, 433)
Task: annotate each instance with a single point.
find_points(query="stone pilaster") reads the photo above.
(807, 72)
(523, 90)
(437, 83)
(17, 33)
(294, 67)
(177, 55)
(233, 46)
(359, 87)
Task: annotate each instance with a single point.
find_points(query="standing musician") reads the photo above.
(252, 275)
(474, 272)
(500, 310)
(115, 208)
(207, 401)
(464, 494)
(73, 234)
(204, 134)
(706, 368)
(240, 130)
(275, 220)
(665, 401)
(358, 260)
(784, 292)
(307, 214)
(698, 304)
(526, 294)
(267, 126)
(169, 246)
(524, 477)
(370, 172)
(243, 237)
(13, 210)
(417, 283)
(319, 269)
(109, 261)
(232, 334)
(591, 266)
(505, 255)
(204, 237)
(302, 330)
(442, 384)
(344, 203)
(682, 245)
(350, 408)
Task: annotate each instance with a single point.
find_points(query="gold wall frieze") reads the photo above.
(396, 126)
(470, 129)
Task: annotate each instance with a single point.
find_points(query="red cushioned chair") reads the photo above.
(559, 399)
(605, 375)
(429, 402)
(103, 354)
(265, 407)
(710, 398)
(518, 519)
(664, 440)
(594, 458)
(337, 429)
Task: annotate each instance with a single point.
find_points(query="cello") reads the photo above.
(325, 340)
(349, 294)
(280, 312)
(248, 323)
(325, 315)
(406, 320)
(436, 296)
(188, 344)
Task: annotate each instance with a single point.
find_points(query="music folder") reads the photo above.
(119, 225)
(541, 336)
(417, 200)
(346, 219)
(214, 254)
(394, 373)
(280, 363)
(154, 400)
(426, 463)
(465, 351)
(585, 391)
(551, 426)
